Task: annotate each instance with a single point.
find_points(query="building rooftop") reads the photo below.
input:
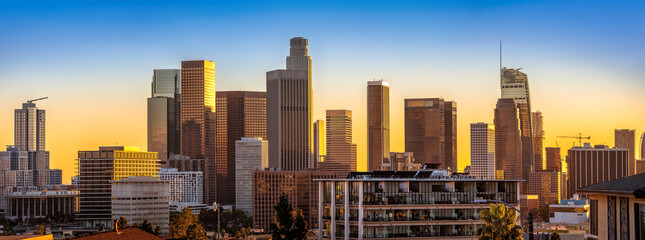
(427, 173)
(43, 194)
(123, 234)
(629, 185)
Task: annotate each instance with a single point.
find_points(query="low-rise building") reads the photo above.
(140, 198)
(422, 204)
(570, 211)
(185, 187)
(39, 204)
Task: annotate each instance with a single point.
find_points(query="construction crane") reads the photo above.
(579, 137)
(37, 99)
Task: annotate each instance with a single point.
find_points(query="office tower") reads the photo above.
(508, 142)
(40, 204)
(422, 204)
(319, 143)
(185, 187)
(624, 138)
(300, 188)
(198, 119)
(55, 177)
(514, 84)
(538, 139)
(164, 113)
(401, 161)
(547, 185)
(96, 171)
(239, 114)
(251, 154)
(587, 166)
(141, 198)
(29, 131)
(553, 159)
(482, 150)
(431, 131)
(378, 124)
(341, 152)
(185, 164)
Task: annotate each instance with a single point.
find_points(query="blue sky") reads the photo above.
(98, 56)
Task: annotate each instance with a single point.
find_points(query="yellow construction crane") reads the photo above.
(579, 137)
(37, 99)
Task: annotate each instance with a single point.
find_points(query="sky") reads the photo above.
(95, 59)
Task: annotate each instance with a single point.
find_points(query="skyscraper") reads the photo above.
(289, 111)
(508, 142)
(553, 159)
(240, 114)
(29, 131)
(515, 84)
(624, 138)
(538, 139)
(431, 131)
(482, 150)
(163, 113)
(642, 146)
(251, 154)
(587, 166)
(378, 124)
(319, 143)
(198, 119)
(341, 152)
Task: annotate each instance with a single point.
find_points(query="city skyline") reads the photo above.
(116, 113)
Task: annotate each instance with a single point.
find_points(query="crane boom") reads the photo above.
(579, 137)
(37, 99)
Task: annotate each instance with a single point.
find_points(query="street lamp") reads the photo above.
(216, 209)
(529, 217)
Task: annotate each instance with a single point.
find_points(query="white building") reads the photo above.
(140, 198)
(571, 211)
(250, 154)
(482, 150)
(185, 187)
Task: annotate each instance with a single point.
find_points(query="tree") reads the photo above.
(284, 225)
(157, 231)
(41, 230)
(101, 228)
(146, 226)
(500, 222)
(195, 232)
(122, 223)
(208, 218)
(179, 224)
(555, 236)
(543, 212)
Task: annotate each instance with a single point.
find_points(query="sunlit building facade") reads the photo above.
(96, 170)
(341, 152)
(423, 204)
(198, 119)
(482, 150)
(553, 159)
(378, 124)
(590, 165)
(538, 139)
(547, 185)
(142, 198)
(319, 143)
(508, 142)
(29, 130)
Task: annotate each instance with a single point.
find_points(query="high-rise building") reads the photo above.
(29, 131)
(515, 84)
(290, 110)
(508, 142)
(185, 164)
(538, 139)
(319, 143)
(401, 161)
(587, 166)
(55, 177)
(164, 113)
(300, 188)
(185, 187)
(625, 138)
(341, 152)
(141, 198)
(240, 114)
(642, 146)
(422, 204)
(96, 170)
(547, 185)
(431, 131)
(198, 119)
(482, 150)
(378, 124)
(553, 159)
(251, 154)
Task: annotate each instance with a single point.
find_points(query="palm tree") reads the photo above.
(500, 222)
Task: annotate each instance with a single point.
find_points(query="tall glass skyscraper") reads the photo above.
(289, 111)
(341, 152)
(378, 124)
(164, 114)
(431, 131)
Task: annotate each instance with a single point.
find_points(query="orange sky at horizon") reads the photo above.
(84, 117)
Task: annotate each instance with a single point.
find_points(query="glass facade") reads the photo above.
(341, 152)
(378, 124)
